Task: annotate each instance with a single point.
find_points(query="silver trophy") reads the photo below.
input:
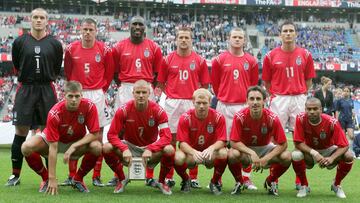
(137, 169)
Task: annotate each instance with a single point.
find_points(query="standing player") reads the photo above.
(136, 58)
(183, 72)
(252, 135)
(90, 62)
(37, 58)
(232, 73)
(287, 72)
(134, 132)
(202, 138)
(65, 132)
(318, 138)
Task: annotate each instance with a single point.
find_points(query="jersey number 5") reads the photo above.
(87, 68)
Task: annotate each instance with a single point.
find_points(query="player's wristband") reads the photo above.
(313, 152)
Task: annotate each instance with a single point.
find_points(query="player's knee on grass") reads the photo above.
(26, 148)
(221, 154)
(286, 157)
(169, 150)
(107, 148)
(348, 157)
(245, 160)
(179, 157)
(95, 148)
(233, 156)
(190, 161)
(31, 145)
(297, 155)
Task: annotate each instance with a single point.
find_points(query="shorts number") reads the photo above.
(316, 141)
(236, 74)
(106, 113)
(138, 64)
(87, 68)
(184, 74)
(141, 131)
(201, 140)
(254, 140)
(290, 72)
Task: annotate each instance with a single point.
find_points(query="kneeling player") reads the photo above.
(201, 135)
(253, 130)
(139, 122)
(318, 138)
(66, 132)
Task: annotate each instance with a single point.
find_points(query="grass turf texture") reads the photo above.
(319, 180)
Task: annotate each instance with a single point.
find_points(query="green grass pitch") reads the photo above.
(319, 180)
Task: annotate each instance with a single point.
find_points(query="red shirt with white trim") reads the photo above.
(287, 72)
(93, 67)
(70, 126)
(200, 134)
(183, 75)
(137, 61)
(321, 136)
(232, 75)
(140, 128)
(260, 132)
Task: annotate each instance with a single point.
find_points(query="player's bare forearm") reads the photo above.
(186, 148)
(267, 85)
(308, 84)
(280, 148)
(339, 152)
(337, 115)
(242, 148)
(86, 140)
(218, 145)
(52, 156)
(302, 147)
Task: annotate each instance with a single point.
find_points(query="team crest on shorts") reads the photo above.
(210, 128)
(192, 65)
(146, 53)
(298, 61)
(322, 134)
(246, 66)
(81, 119)
(97, 57)
(264, 129)
(151, 122)
(37, 49)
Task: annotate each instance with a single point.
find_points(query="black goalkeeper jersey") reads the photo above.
(37, 61)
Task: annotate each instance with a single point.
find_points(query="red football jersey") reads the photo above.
(93, 68)
(327, 133)
(70, 126)
(257, 132)
(137, 61)
(200, 134)
(288, 71)
(232, 75)
(183, 75)
(140, 128)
